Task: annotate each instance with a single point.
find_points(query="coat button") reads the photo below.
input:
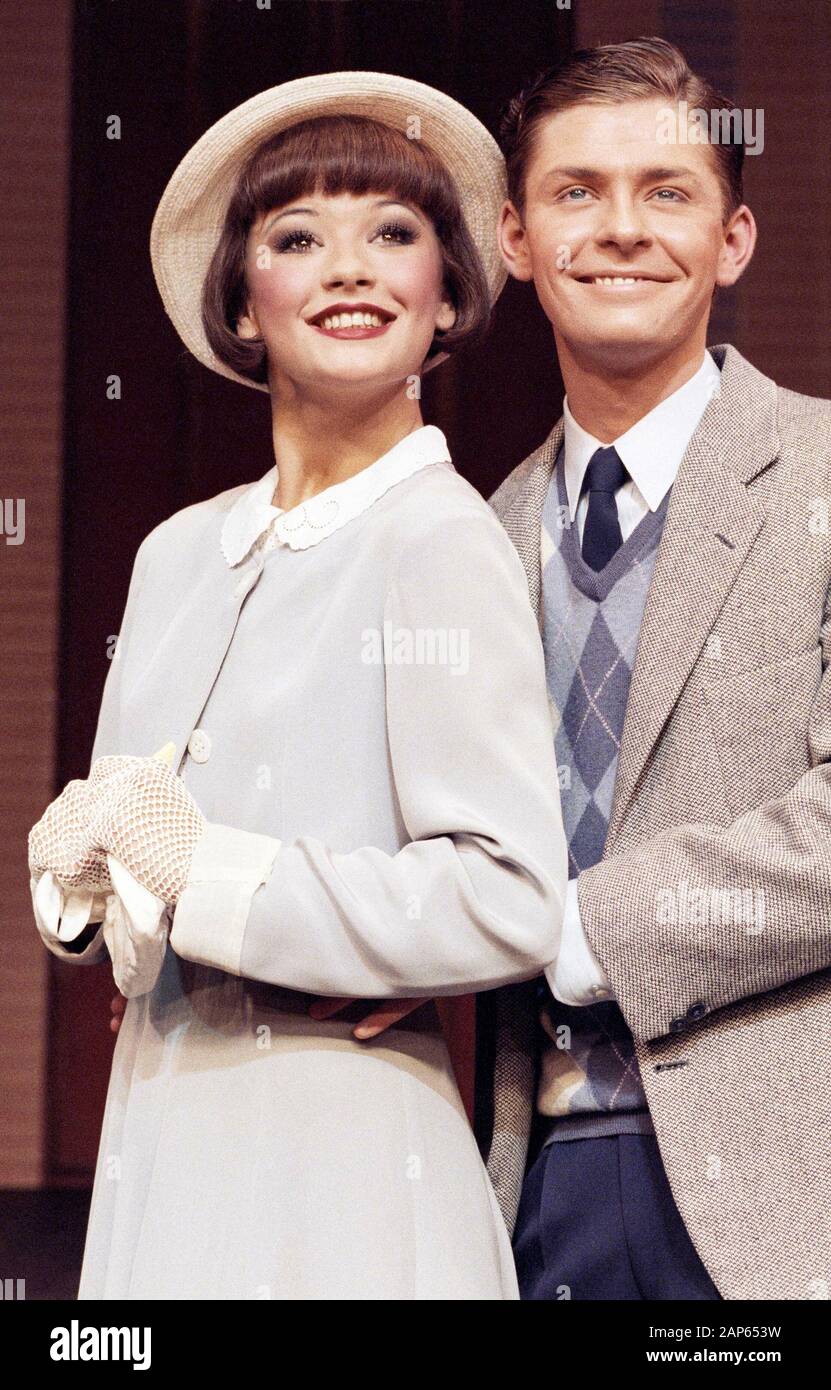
(677, 1025)
(199, 746)
(697, 1010)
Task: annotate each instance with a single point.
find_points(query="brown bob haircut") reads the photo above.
(607, 75)
(331, 155)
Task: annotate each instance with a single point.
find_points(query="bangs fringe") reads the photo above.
(344, 154)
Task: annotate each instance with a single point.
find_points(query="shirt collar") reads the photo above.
(652, 450)
(309, 522)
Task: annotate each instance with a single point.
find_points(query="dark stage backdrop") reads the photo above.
(180, 433)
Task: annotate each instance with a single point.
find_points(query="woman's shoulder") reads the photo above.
(191, 525)
(437, 508)
(436, 495)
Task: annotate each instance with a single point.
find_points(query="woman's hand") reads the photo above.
(60, 842)
(136, 809)
(141, 812)
(117, 1008)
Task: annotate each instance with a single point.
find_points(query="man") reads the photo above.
(674, 531)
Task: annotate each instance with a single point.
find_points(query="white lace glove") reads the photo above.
(59, 843)
(135, 809)
(135, 921)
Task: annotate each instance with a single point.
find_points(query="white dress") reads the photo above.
(378, 825)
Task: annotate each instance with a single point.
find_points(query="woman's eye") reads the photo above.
(297, 240)
(398, 233)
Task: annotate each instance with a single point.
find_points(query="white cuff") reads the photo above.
(135, 930)
(61, 916)
(227, 868)
(576, 977)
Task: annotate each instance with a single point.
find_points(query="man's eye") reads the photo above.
(669, 194)
(295, 241)
(570, 192)
(396, 233)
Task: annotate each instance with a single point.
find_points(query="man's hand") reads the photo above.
(117, 1007)
(389, 1012)
(377, 1021)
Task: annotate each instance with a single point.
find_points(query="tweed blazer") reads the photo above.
(711, 905)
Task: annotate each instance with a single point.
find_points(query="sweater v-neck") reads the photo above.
(598, 584)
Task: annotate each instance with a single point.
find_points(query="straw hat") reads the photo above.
(191, 213)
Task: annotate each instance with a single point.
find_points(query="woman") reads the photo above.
(344, 660)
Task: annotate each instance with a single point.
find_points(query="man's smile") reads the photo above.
(619, 281)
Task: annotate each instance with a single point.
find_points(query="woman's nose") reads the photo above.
(346, 265)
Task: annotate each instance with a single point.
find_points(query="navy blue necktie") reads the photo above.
(601, 530)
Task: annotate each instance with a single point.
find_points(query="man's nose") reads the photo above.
(623, 224)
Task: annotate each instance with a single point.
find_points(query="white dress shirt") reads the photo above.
(651, 451)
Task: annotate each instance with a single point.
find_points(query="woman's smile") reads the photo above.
(352, 321)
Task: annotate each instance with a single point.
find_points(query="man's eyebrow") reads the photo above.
(582, 173)
(313, 212)
(662, 171)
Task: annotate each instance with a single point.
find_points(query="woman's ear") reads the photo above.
(445, 316)
(247, 326)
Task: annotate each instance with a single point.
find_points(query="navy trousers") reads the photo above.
(597, 1220)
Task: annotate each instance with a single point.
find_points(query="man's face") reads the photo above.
(623, 235)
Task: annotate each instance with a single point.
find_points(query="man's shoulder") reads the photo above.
(798, 412)
(509, 489)
(804, 426)
(791, 412)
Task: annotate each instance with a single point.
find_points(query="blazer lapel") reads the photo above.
(710, 526)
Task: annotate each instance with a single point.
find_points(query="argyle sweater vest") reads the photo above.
(589, 1078)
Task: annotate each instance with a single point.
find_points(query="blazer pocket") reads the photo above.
(760, 721)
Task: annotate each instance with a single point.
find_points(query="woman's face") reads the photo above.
(345, 290)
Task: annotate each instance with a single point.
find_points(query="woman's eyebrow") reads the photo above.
(287, 212)
(314, 212)
(398, 203)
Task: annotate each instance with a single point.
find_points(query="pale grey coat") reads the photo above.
(248, 1151)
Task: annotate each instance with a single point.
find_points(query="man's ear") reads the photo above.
(738, 246)
(513, 242)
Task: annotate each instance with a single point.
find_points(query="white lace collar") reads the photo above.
(253, 515)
